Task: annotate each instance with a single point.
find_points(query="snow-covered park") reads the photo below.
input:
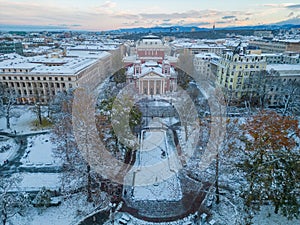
(39, 151)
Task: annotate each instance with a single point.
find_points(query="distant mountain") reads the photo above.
(5, 28)
(287, 24)
(293, 21)
(159, 29)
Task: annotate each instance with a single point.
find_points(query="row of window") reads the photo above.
(15, 70)
(36, 78)
(37, 93)
(34, 85)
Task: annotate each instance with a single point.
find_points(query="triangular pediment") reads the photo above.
(152, 74)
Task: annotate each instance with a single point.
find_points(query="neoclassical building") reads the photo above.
(152, 78)
(42, 77)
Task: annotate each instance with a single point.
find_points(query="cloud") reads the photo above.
(108, 16)
(221, 22)
(109, 4)
(296, 6)
(291, 14)
(228, 17)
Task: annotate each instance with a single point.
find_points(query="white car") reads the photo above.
(124, 219)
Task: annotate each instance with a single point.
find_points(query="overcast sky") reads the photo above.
(115, 14)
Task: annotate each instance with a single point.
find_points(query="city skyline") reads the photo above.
(115, 14)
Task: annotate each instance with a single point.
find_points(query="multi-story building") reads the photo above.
(203, 64)
(236, 72)
(276, 46)
(282, 58)
(285, 86)
(152, 78)
(7, 47)
(205, 48)
(40, 78)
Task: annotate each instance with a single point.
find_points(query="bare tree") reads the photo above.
(76, 171)
(290, 96)
(12, 201)
(8, 98)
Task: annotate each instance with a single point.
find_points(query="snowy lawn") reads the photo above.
(39, 152)
(69, 212)
(35, 181)
(22, 120)
(8, 149)
(267, 216)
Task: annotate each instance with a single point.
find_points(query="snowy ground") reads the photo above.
(36, 181)
(39, 152)
(8, 149)
(22, 120)
(69, 212)
(267, 216)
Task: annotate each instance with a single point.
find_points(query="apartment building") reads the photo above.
(285, 86)
(282, 58)
(236, 71)
(203, 63)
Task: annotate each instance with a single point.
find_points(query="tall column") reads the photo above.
(154, 87)
(148, 87)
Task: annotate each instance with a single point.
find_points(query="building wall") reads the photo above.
(276, 46)
(44, 86)
(30, 87)
(234, 70)
(11, 47)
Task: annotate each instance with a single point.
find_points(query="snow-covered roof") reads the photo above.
(206, 55)
(56, 66)
(150, 67)
(294, 68)
(99, 47)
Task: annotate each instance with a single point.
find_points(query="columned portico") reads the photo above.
(152, 78)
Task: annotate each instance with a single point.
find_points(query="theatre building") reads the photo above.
(152, 78)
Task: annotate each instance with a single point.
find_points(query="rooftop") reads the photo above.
(45, 65)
